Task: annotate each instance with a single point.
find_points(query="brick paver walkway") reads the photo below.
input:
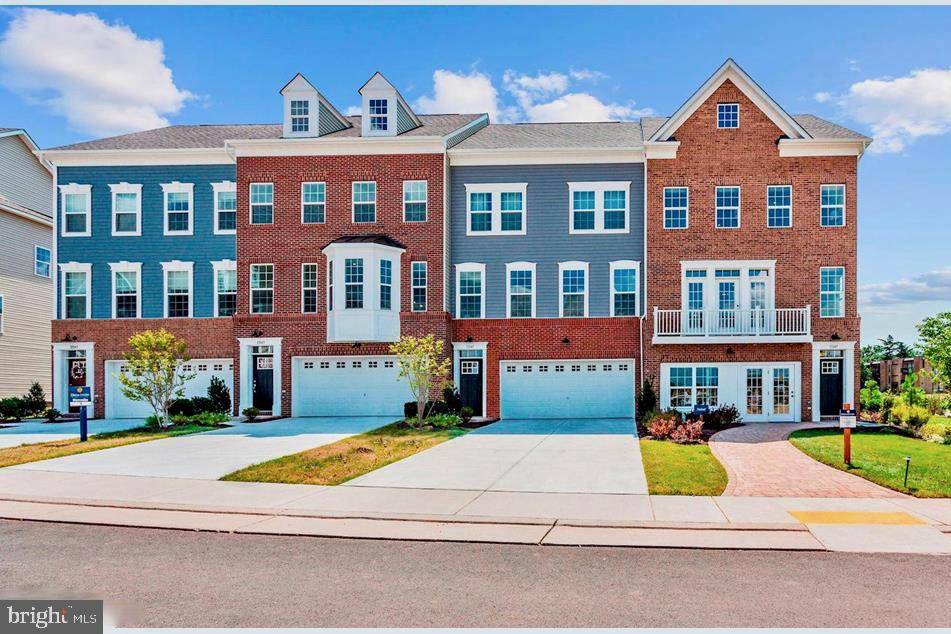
(761, 462)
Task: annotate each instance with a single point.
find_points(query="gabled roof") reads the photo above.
(299, 83)
(730, 70)
(30, 144)
(378, 79)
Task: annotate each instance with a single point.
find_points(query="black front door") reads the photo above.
(470, 384)
(830, 386)
(76, 367)
(263, 386)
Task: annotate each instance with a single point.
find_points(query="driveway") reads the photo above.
(211, 455)
(33, 431)
(544, 456)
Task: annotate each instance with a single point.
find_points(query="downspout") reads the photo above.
(644, 275)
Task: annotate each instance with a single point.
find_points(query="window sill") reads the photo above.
(86, 234)
(476, 234)
(126, 234)
(598, 231)
(177, 233)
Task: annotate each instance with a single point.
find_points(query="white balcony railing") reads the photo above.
(753, 323)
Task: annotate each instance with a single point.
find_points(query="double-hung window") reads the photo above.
(386, 285)
(573, 289)
(262, 289)
(420, 273)
(624, 288)
(379, 115)
(126, 290)
(179, 208)
(708, 384)
(41, 261)
(76, 300)
(300, 115)
(470, 296)
(415, 194)
(364, 201)
(521, 289)
(226, 207)
(353, 282)
(728, 115)
(728, 207)
(226, 288)
(599, 207)
(76, 202)
(126, 209)
(313, 200)
(676, 207)
(779, 206)
(690, 386)
(178, 288)
(308, 288)
(262, 203)
(496, 209)
(832, 205)
(832, 291)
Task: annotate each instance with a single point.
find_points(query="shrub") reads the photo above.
(646, 402)
(661, 424)
(451, 398)
(872, 417)
(687, 432)
(720, 417)
(210, 418)
(911, 394)
(220, 395)
(180, 419)
(443, 421)
(11, 408)
(202, 404)
(935, 403)
(888, 402)
(911, 416)
(51, 415)
(251, 413)
(871, 397)
(181, 407)
(410, 409)
(33, 402)
(466, 414)
(936, 432)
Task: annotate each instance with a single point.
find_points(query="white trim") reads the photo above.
(470, 267)
(353, 203)
(337, 146)
(425, 202)
(251, 288)
(60, 389)
(496, 190)
(126, 188)
(739, 205)
(794, 148)
(81, 190)
(844, 205)
(76, 267)
(727, 127)
(302, 203)
(216, 267)
(711, 290)
(413, 287)
(790, 225)
(246, 371)
(127, 267)
(659, 150)
(315, 288)
(123, 158)
(848, 373)
(664, 208)
(178, 265)
(599, 188)
(626, 264)
(176, 187)
(459, 157)
(224, 187)
(36, 260)
(458, 346)
(840, 293)
(251, 205)
(572, 265)
(519, 266)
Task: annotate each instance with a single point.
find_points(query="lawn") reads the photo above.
(879, 456)
(348, 458)
(675, 469)
(58, 448)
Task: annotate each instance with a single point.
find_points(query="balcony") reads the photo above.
(750, 325)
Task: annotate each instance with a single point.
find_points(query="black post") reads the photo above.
(907, 464)
(83, 424)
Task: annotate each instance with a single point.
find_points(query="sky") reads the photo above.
(74, 73)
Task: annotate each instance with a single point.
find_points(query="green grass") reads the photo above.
(348, 458)
(674, 469)
(879, 456)
(22, 454)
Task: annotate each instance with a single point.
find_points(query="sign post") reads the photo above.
(81, 396)
(847, 421)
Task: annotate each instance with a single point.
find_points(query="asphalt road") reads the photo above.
(159, 578)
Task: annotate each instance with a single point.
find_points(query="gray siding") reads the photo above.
(23, 179)
(404, 122)
(327, 122)
(547, 241)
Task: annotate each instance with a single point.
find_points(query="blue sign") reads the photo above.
(80, 395)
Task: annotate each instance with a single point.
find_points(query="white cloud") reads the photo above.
(102, 77)
(352, 111)
(581, 106)
(527, 89)
(925, 287)
(462, 93)
(585, 74)
(822, 97)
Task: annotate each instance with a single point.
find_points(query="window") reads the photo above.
(300, 115)
(126, 290)
(386, 285)
(226, 207)
(178, 288)
(832, 210)
(76, 201)
(676, 207)
(126, 209)
(573, 289)
(419, 273)
(178, 208)
(262, 203)
(707, 386)
(685, 393)
(41, 261)
(414, 201)
(728, 207)
(495, 209)
(470, 284)
(598, 207)
(262, 289)
(521, 289)
(76, 301)
(364, 201)
(226, 288)
(308, 283)
(379, 119)
(728, 115)
(313, 198)
(779, 206)
(832, 291)
(624, 289)
(353, 282)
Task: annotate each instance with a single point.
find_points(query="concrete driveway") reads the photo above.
(545, 456)
(211, 455)
(33, 431)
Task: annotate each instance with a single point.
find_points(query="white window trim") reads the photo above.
(728, 103)
(308, 117)
(663, 218)
(251, 288)
(126, 188)
(519, 266)
(626, 264)
(572, 265)
(176, 187)
(178, 265)
(739, 205)
(390, 116)
(841, 293)
(599, 187)
(789, 226)
(469, 267)
(75, 188)
(711, 297)
(426, 202)
(36, 260)
(324, 221)
(127, 267)
(222, 188)
(76, 267)
(496, 189)
(413, 287)
(353, 203)
(315, 288)
(216, 267)
(251, 205)
(844, 205)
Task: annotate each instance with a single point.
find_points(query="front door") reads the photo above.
(76, 373)
(728, 305)
(263, 384)
(470, 384)
(830, 386)
(768, 393)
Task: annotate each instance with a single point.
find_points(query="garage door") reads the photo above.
(598, 388)
(348, 386)
(118, 406)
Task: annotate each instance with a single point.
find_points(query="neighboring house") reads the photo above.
(712, 251)
(26, 290)
(890, 373)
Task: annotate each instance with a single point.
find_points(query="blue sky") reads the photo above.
(227, 64)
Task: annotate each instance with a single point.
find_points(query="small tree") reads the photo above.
(34, 401)
(646, 399)
(153, 373)
(935, 335)
(871, 397)
(220, 395)
(911, 394)
(424, 366)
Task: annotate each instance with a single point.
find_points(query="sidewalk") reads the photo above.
(900, 524)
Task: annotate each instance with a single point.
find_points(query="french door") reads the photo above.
(769, 393)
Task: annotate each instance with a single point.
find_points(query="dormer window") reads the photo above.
(307, 113)
(728, 115)
(384, 111)
(300, 115)
(378, 115)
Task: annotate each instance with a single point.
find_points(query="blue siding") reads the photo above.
(151, 248)
(547, 241)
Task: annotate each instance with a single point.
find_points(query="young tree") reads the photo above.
(153, 371)
(424, 366)
(935, 335)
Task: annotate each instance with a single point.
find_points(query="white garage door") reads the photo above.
(597, 388)
(118, 406)
(348, 386)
